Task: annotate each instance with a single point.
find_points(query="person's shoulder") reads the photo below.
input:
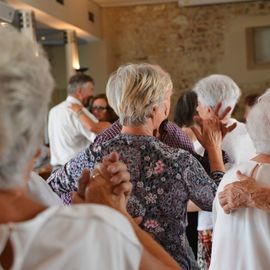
(108, 133)
(41, 191)
(174, 136)
(102, 234)
(173, 128)
(92, 215)
(58, 107)
(240, 127)
(230, 176)
(170, 124)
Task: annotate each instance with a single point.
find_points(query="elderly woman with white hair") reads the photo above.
(163, 178)
(33, 236)
(211, 91)
(242, 238)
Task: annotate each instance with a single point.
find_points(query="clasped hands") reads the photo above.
(108, 184)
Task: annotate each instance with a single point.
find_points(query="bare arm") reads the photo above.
(88, 122)
(210, 137)
(260, 198)
(192, 207)
(91, 125)
(244, 193)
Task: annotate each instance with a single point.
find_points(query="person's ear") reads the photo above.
(166, 110)
(153, 112)
(37, 153)
(210, 111)
(78, 92)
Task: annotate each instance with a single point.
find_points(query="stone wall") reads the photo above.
(189, 43)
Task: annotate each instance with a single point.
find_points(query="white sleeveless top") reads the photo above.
(86, 236)
(241, 240)
(240, 148)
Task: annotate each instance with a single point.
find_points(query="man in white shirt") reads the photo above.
(67, 134)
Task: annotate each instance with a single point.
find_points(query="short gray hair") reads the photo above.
(134, 89)
(26, 86)
(258, 124)
(78, 80)
(217, 88)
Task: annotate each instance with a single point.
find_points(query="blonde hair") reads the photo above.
(26, 86)
(134, 89)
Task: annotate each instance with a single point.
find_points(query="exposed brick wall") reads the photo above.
(187, 42)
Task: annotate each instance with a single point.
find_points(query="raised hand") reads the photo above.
(209, 134)
(225, 129)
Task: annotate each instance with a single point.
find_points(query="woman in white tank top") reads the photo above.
(241, 239)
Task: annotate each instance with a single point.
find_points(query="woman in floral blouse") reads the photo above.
(163, 178)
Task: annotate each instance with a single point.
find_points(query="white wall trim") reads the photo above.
(183, 3)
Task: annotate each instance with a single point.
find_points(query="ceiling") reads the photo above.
(114, 3)
(50, 36)
(47, 35)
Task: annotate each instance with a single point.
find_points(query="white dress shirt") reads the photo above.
(241, 240)
(75, 237)
(67, 134)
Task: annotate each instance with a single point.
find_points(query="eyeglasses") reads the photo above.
(99, 108)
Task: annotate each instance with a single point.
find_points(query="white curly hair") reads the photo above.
(25, 88)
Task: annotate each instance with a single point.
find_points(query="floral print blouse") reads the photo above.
(163, 179)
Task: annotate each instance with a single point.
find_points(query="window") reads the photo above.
(258, 47)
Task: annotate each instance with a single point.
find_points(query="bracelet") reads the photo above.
(79, 112)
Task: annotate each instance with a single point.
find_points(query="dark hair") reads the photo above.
(99, 96)
(185, 109)
(80, 78)
(250, 100)
(111, 115)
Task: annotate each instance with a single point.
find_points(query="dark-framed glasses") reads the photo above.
(99, 108)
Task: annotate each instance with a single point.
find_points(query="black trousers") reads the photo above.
(191, 231)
